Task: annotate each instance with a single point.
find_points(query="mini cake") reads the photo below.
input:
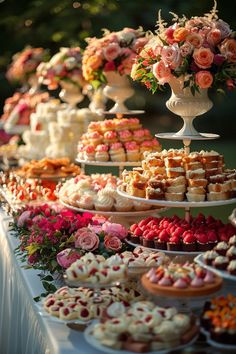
(222, 248)
(232, 267)
(181, 280)
(218, 319)
(221, 262)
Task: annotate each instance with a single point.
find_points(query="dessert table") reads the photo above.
(22, 329)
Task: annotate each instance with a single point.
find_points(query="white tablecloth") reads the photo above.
(22, 329)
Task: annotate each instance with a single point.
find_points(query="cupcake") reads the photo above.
(132, 151)
(232, 240)
(189, 242)
(219, 334)
(101, 153)
(125, 136)
(232, 267)
(117, 152)
(89, 153)
(209, 256)
(202, 242)
(148, 242)
(139, 135)
(222, 248)
(221, 262)
(110, 137)
(231, 253)
(174, 244)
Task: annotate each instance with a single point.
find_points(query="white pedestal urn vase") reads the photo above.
(118, 89)
(188, 106)
(70, 94)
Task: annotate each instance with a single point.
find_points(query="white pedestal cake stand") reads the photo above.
(126, 218)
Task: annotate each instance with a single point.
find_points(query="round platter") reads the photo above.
(95, 286)
(174, 136)
(170, 253)
(109, 163)
(96, 344)
(113, 213)
(184, 204)
(222, 346)
(125, 113)
(189, 292)
(42, 312)
(222, 273)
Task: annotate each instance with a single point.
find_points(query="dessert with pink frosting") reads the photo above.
(98, 191)
(125, 140)
(181, 280)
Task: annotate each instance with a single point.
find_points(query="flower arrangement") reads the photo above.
(115, 51)
(52, 238)
(44, 231)
(64, 66)
(25, 63)
(104, 238)
(201, 50)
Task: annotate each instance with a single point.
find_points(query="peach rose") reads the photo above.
(195, 39)
(112, 243)
(112, 51)
(171, 56)
(214, 36)
(180, 34)
(203, 57)
(161, 72)
(204, 79)
(127, 63)
(228, 49)
(94, 61)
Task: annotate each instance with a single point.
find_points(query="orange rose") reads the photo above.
(203, 57)
(195, 39)
(228, 49)
(180, 34)
(204, 79)
(94, 61)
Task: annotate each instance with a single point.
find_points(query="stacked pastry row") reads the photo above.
(93, 269)
(116, 140)
(144, 327)
(174, 176)
(97, 192)
(78, 304)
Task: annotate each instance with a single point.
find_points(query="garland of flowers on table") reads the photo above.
(52, 238)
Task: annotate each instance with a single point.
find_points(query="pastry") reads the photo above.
(101, 153)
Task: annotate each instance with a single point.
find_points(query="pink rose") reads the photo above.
(203, 57)
(171, 56)
(86, 239)
(169, 35)
(113, 229)
(195, 39)
(186, 49)
(112, 51)
(127, 63)
(66, 257)
(110, 66)
(24, 217)
(161, 72)
(224, 28)
(214, 37)
(139, 44)
(204, 79)
(230, 84)
(228, 49)
(112, 243)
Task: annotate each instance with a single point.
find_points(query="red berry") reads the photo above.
(138, 232)
(133, 227)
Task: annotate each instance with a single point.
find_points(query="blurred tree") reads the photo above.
(55, 23)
